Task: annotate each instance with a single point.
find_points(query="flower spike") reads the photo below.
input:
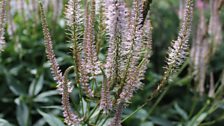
(70, 117)
(116, 13)
(178, 51)
(2, 24)
(55, 70)
(63, 84)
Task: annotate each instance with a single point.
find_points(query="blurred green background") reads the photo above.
(27, 90)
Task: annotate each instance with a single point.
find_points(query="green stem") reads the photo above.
(143, 105)
(158, 100)
(139, 108)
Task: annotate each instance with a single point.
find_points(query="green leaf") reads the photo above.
(198, 119)
(36, 87)
(44, 97)
(39, 85)
(4, 122)
(31, 88)
(84, 105)
(52, 107)
(95, 114)
(22, 113)
(40, 122)
(147, 124)
(141, 114)
(14, 85)
(161, 121)
(180, 111)
(51, 119)
(201, 118)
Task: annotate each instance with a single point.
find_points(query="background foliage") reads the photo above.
(27, 90)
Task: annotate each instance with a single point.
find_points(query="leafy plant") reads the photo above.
(27, 90)
(128, 33)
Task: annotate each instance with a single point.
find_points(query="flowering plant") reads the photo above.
(2, 24)
(128, 33)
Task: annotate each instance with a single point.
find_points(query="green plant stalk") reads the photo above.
(158, 100)
(143, 105)
(139, 108)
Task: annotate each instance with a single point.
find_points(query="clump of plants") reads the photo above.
(106, 85)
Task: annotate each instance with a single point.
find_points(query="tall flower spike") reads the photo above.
(179, 49)
(87, 49)
(138, 62)
(73, 13)
(111, 16)
(105, 101)
(131, 45)
(115, 13)
(135, 75)
(84, 79)
(70, 117)
(74, 22)
(58, 77)
(92, 62)
(116, 27)
(2, 24)
(131, 42)
(101, 24)
(131, 50)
